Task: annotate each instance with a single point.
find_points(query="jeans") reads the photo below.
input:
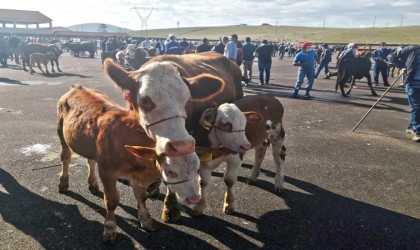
(302, 72)
(264, 67)
(321, 66)
(380, 67)
(414, 105)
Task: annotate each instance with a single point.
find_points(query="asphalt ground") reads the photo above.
(351, 190)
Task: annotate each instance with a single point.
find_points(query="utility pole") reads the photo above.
(276, 26)
(402, 19)
(177, 25)
(143, 13)
(374, 21)
(324, 23)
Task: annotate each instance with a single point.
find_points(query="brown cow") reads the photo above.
(165, 84)
(93, 126)
(227, 129)
(28, 48)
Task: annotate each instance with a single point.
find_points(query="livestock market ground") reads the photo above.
(343, 189)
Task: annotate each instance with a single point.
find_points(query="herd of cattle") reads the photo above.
(178, 136)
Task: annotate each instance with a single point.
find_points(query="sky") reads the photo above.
(193, 13)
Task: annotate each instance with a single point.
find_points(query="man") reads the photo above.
(248, 58)
(263, 53)
(239, 48)
(14, 47)
(379, 65)
(305, 59)
(410, 57)
(324, 61)
(282, 50)
(220, 46)
(172, 47)
(230, 51)
(346, 57)
(146, 43)
(184, 44)
(203, 47)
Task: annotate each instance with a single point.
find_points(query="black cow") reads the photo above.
(354, 68)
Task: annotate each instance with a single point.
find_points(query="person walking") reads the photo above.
(380, 66)
(324, 61)
(263, 52)
(282, 50)
(230, 51)
(410, 57)
(203, 47)
(248, 58)
(305, 59)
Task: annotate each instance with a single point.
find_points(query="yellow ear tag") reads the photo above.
(206, 157)
(207, 125)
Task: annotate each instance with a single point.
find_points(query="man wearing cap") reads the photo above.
(324, 61)
(305, 59)
(263, 53)
(172, 47)
(203, 47)
(379, 65)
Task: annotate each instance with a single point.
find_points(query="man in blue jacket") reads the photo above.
(380, 66)
(410, 57)
(172, 47)
(324, 61)
(305, 59)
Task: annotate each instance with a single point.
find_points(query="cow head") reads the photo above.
(180, 174)
(227, 126)
(160, 95)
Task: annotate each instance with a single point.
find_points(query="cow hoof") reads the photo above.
(149, 226)
(172, 215)
(228, 209)
(278, 189)
(344, 95)
(374, 94)
(94, 189)
(110, 232)
(63, 188)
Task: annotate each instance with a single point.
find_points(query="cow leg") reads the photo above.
(143, 214)
(279, 155)
(66, 153)
(92, 180)
(30, 69)
(368, 77)
(260, 151)
(205, 178)
(52, 66)
(230, 177)
(171, 212)
(46, 69)
(39, 67)
(58, 65)
(111, 200)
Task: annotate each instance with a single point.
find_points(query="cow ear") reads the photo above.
(142, 152)
(208, 118)
(124, 80)
(204, 86)
(253, 117)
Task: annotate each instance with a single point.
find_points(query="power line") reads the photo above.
(143, 13)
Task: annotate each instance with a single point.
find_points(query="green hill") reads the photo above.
(393, 35)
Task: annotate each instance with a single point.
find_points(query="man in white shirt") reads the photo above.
(231, 51)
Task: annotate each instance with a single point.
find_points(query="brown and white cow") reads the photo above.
(163, 87)
(93, 126)
(230, 135)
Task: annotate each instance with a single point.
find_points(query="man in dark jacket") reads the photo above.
(324, 61)
(203, 47)
(248, 58)
(410, 57)
(263, 53)
(220, 46)
(380, 66)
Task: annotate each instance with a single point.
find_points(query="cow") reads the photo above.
(353, 69)
(135, 57)
(26, 49)
(168, 87)
(78, 47)
(38, 59)
(93, 126)
(232, 129)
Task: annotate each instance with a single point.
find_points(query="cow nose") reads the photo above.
(179, 148)
(246, 146)
(193, 199)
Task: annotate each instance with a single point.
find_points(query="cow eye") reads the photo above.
(226, 126)
(146, 104)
